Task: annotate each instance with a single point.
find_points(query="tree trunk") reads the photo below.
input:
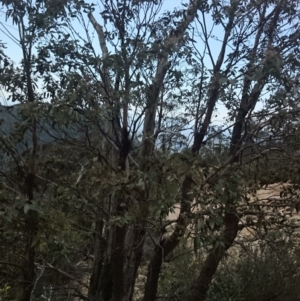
(210, 266)
(134, 243)
(31, 230)
(231, 219)
(29, 272)
(31, 217)
(127, 245)
(99, 248)
(167, 245)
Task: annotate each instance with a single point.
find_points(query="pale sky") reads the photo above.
(14, 51)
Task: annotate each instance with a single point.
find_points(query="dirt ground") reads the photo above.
(269, 193)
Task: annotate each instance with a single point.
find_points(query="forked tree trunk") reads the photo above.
(169, 244)
(231, 219)
(127, 244)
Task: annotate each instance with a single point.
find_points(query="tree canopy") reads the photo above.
(123, 111)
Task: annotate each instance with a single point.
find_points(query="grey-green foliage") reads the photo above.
(270, 271)
(155, 65)
(266, 273)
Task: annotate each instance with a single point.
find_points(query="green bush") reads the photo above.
(268, 272)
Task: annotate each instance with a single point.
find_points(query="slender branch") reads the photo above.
(12, 264)
(50, 266)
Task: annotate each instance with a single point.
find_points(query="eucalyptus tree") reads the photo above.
(21, 82)
(154, 80)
